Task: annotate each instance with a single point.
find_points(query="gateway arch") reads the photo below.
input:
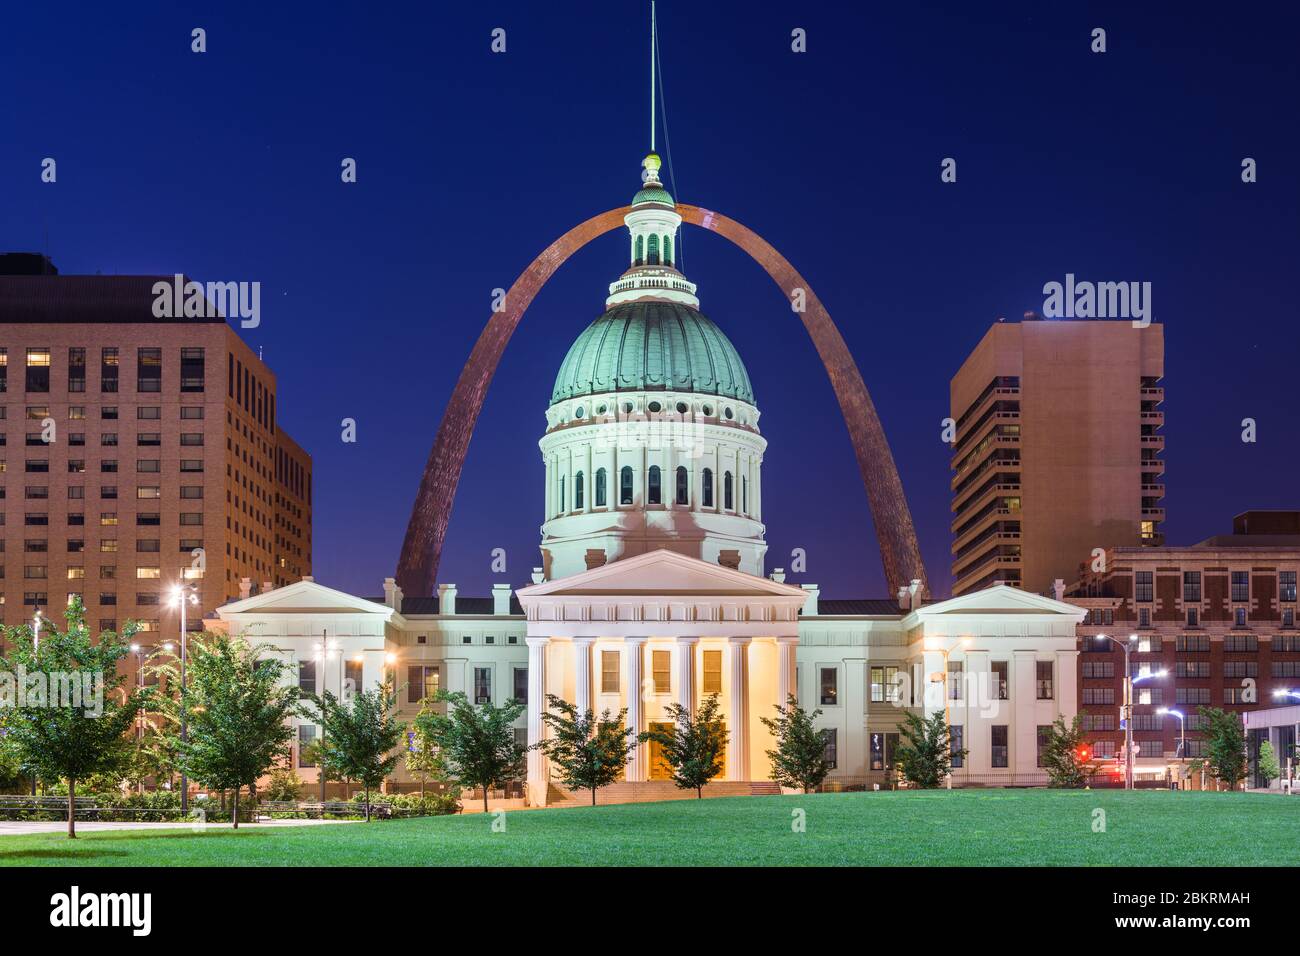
(422, 548)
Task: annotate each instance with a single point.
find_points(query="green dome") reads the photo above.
(638, 346)
(655, 193)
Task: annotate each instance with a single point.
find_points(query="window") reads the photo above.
(306, 737)
(77, 370)
(683, 486)
(521, 684)
(422, 680)
(882, 750)
(708, 487)
(1144, 617)
(712, 683)
(1240, 643)
(482, 685)
(1044, 679)
(956, 736)
(1286, 585)
(1193, 617)
(954, 680)
(830, 738)
(148, 440)
(38, 370)
(744, 494)
(149, 370)
(1143, 586)
(307, 677)
(661, 671)
(108, 366)
(1192, 695)
(1098, 669)
(625, 485)
(1192, 586)
(1238, 617)
(4, 370)
(999, 746)
(654, 490)
(1240, 586)
(600, 487)
(1000, 683)
(884, 685)
(727, 493)
(353, 675)
(1044, 739)
(148, 466)
(1192, 669)
(191, 465)
(191, 370)
(191, 412)
(609, 682)
(1099, 695)
(1288, 617)
(827, 677)
(577, 491)
(1240, 669)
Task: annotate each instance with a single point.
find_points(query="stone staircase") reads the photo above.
(764, 788)
(652, 791)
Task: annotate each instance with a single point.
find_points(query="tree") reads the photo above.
(477, 742)
(283, 784)
(1225, 745)
(361, 736)
(1269, 769)
(1065, 755)
(589, 751)
(69, 715)
(925, 753)
(424, 760)
(695, 746)
(238, 712)
(799, 759)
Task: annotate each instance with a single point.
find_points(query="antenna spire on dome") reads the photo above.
(653, 57)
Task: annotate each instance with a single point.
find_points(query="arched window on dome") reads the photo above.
(683, 486)
(652, 251)
(625, 485)
(640, 251)
(577, 492)
(708, 487)
(728, 502)
(654, 489)
(668, 250)
(561, 509)
(744, 494)
(600, 487)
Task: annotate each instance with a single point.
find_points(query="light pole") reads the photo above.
(943, 678)
(181, 595)
(139, 717)
(1286, 693)
(1182, 729)
(324, 651)
(1126, 711)
(37, 620)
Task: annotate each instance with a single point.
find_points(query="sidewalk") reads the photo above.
(26, 827)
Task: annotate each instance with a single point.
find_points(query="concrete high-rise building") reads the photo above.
(138, 452)
(1057, 449)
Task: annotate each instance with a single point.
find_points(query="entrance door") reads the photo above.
(659, 769)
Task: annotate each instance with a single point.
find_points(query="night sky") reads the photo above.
(1121, 166)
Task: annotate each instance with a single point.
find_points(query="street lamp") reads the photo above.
(1126, 711)
(943, 677)
(183, 594)
(1286, 693)
(324, 651)
(1182, 729)
(37, 621)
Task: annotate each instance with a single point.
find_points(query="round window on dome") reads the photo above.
(601, 410)
(708, 411)
(728, 412)
(628, 408)
(682, 408)
(579, 412)
(655, 406)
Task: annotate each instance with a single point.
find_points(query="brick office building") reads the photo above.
(1219, 616)
(136, 452)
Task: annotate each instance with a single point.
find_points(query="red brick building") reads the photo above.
(1219, 616)
(136, 452)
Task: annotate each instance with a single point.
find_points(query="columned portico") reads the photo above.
(658, 629)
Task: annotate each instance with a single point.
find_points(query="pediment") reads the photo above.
(662, 573)
(305, 597)
(1001, 599)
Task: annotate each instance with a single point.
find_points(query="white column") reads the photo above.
(633, 652)
(582, 673)
(537, 774)
(738, 711)
(785, 670)
(686, 673)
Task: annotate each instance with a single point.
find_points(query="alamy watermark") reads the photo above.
(179, 299)
(1098, 300)
(77, 690)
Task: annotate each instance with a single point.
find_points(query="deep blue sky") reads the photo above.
(1122, 166)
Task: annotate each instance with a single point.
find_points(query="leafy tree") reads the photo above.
(695, 746)
(1269, 769)
(589, 751)
(65, 738)
(284, 784)
(1225, 745)
(361, 736)
(424, 760)
(924, 753)
(12, 775)
(799, 759)
(238, 713)
(1064, 755)
(477, 742)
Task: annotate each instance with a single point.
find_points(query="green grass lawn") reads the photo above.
(960, 827)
